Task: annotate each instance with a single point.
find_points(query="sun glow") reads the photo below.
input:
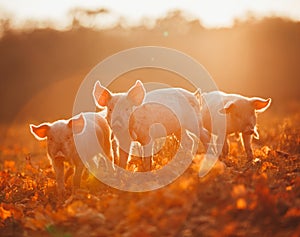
(213, 13)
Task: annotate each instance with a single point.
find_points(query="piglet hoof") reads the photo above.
(247, 166)
(207, 164)
(69, 200)
(61, 193)
(224, 154)
(250, 157)
(75, 190)
(147, 164)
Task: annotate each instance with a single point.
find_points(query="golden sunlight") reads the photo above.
(211, 13)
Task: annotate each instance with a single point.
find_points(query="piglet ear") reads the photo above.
(136, 93)
(77, 124)
(40, 131)
(259, 104)
(101, 95)
(227, 107)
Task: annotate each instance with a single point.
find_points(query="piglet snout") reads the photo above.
(59, 155)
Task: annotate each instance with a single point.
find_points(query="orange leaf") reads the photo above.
(238, 190)
(241, 204)
(4, 214)
(293, 212)
(10, 165)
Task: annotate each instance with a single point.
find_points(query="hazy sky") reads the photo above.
(212, 13)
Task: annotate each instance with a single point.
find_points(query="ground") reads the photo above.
(237, 198)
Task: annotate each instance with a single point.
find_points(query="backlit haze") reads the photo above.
(248, 47)
(58, 14)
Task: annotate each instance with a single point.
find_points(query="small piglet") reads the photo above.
(149, 122)
(135, 111)
(66, 137)
(240, 116)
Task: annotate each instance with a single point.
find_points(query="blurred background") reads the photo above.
(48, 47)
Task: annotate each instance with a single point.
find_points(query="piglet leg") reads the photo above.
(123, 158)
(222, 145)
(147, 156)
(225, 150)
(58, 166)
(204, 138)
(77, 176)
(247, 143)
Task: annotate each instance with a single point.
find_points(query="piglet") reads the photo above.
(146, 124)
(175, 109)
(73, 141)
(239, 113)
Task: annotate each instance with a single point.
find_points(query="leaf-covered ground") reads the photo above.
(237, 198)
